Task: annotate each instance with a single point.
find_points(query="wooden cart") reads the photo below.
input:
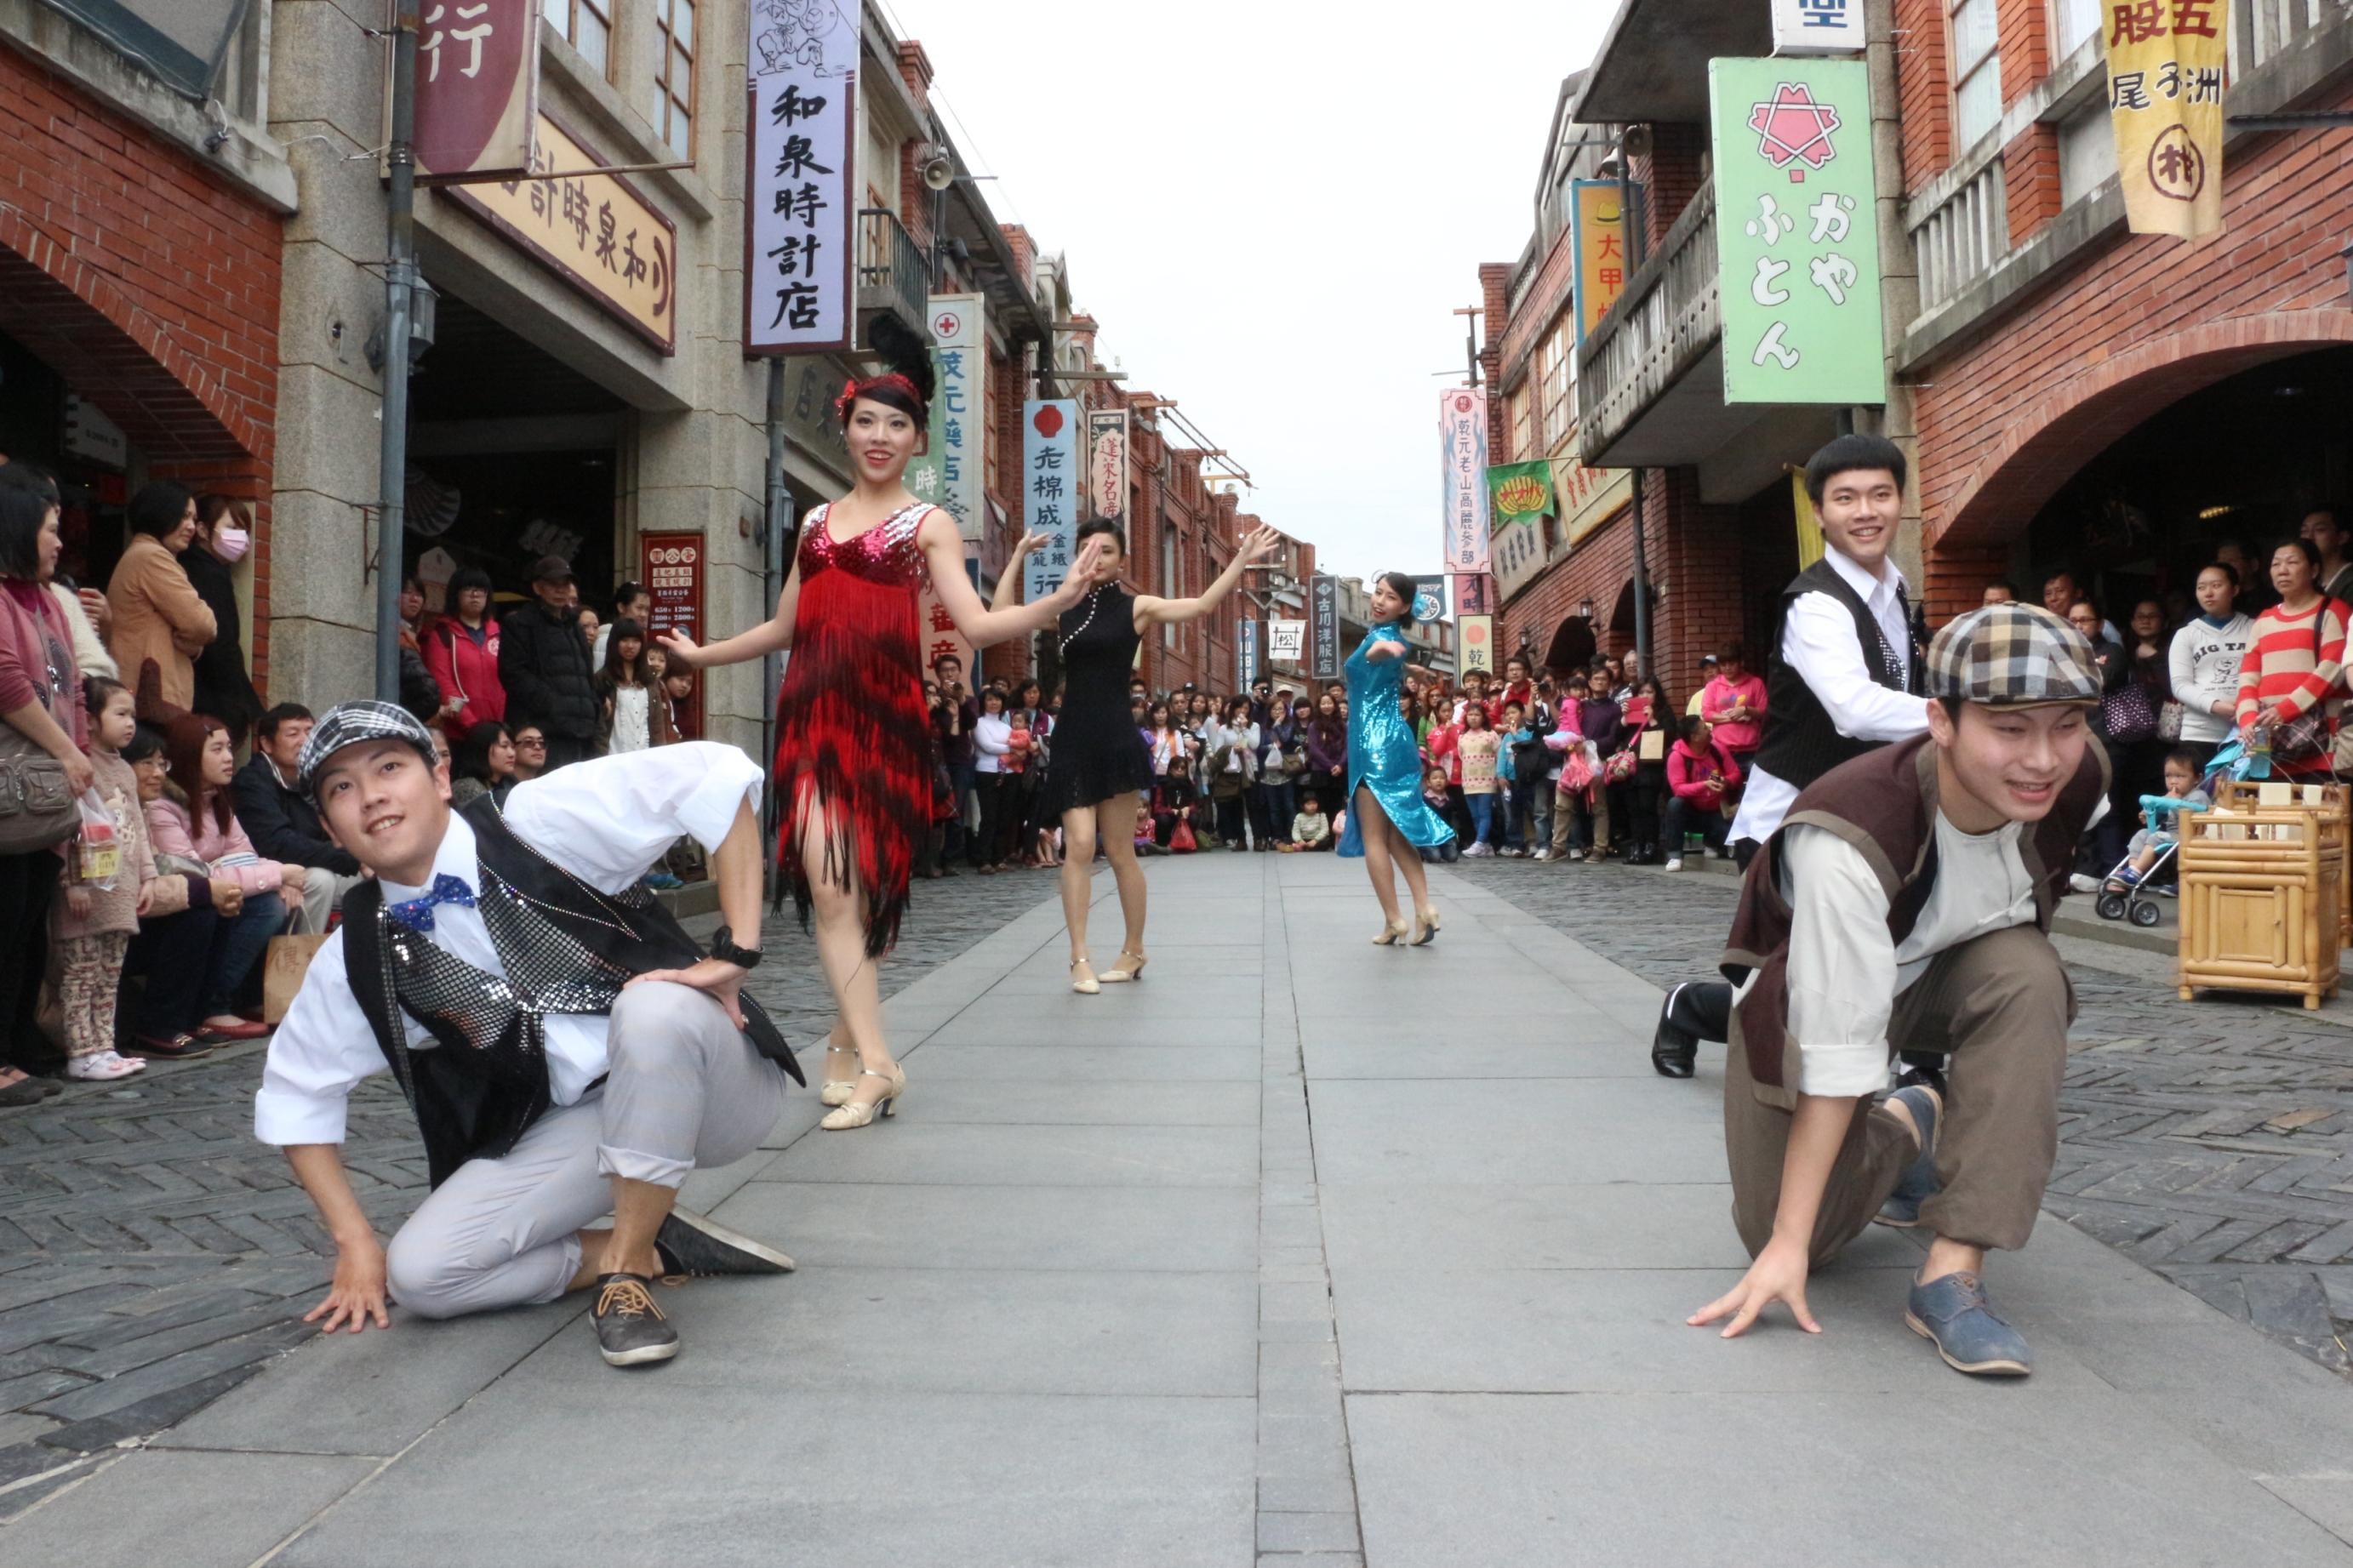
(2264, 890)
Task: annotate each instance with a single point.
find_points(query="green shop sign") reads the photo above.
(1796, 241)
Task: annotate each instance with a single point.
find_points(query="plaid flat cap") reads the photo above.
(351, 724)
(2012, 656)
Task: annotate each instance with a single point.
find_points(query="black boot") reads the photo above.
(1693, 1012)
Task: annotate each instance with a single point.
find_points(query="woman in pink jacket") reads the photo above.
(462, 649)
(194, 822)
(1703, 775)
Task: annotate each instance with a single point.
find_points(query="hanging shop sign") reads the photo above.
(1474, 595)
(1519, 491)
(1520, 554)
(948, 473)
(1107, 462)
(1474, 637)
(1463, 453)
(1818, 26)
(671, 566)
(1797, 244)
(1588, 498)
(1598, 237)
(797, 286)
(594, 231)
(938, 628)
(1286, 641)
(1050, 480)
(1429, 600)
(1245, 655)
(477, 89)
(1324, 625)
(2165, 75)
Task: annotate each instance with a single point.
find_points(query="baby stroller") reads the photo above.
(2137, 903)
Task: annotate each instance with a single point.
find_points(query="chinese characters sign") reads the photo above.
(1598, 237)
(671, 566)
(935, 629)
(948, 473)
(1323, 626)
(1818, 26)
(477, 89)
(1519, 553)
(1051, 480)
(1107, 462)
(595, 230)
(1286, 642)
(1474, 595)
(2165, 64)
(1476, 636)
(1795, 240)
(1588, 498)
(797, 235)
(1463, 451)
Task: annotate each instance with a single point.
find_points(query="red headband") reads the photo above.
(854, 389)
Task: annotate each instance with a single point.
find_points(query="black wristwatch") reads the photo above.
(724, 948)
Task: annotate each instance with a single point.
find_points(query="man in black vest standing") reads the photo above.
(1843, 679)
(568, 1050)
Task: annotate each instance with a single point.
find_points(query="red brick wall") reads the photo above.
(2030, 167)
(2023, 29)
(1670, 177)
(1924, 90)
(1957, 575)
(149, 286)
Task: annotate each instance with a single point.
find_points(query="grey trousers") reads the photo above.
(685, 1091)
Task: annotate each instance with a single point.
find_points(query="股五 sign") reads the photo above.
(1462, 452)
(1795, 240)
(798, 206)
(2167, 69)
(1051, 486)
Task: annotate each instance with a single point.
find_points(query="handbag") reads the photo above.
(2127, 715)
(288, 960)
(37, 805)
(2307, 735)
(1575, 774)
(1181, 842)
(1620, 767)
(2169, 720)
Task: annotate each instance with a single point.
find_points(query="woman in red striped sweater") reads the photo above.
(2295, 659)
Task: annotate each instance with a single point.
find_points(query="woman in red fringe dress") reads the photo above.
(853, 736)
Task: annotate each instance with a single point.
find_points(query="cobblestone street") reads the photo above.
(153, 1255)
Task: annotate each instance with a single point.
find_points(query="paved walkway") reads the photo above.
(1300, 1251)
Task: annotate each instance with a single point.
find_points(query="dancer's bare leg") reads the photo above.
(1373, 828)
(1078, 866)
(1409, 860)
(1115, 827)
(837, 914)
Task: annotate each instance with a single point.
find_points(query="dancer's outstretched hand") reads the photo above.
(715, 976)
(357, 1295)
(681, 649)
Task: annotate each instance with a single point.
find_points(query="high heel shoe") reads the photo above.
(1085, 984)
(838, 1091)
(851, 1114)
(1390, 933)
(1425, 927)
(1124, 969)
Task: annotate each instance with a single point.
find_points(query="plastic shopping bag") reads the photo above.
(97, 848)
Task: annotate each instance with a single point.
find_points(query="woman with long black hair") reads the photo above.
(1389, 821)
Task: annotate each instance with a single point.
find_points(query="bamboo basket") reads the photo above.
(2335, 802)
(2263, 892)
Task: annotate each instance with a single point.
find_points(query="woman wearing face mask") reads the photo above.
(1390, 824)
(853, 745)
(224, 685)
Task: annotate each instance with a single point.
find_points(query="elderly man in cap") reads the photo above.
(569, 1051)
(545, 665)
(1904, 904)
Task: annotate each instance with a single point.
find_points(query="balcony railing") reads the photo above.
(1963, 238)
(1661, 327)
(2262, 28)
(890, 271)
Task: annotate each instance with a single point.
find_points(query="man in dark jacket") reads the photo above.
(281, 821)
(544, 663)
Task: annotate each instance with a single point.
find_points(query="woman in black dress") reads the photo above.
(1100, 767)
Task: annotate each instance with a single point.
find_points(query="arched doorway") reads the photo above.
(1572, 646)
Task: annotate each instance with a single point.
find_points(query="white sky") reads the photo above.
(1272, 206)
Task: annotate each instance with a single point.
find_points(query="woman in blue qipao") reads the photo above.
(1389, 821)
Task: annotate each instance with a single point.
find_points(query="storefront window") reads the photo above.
(588, 25)
(1977, 71)
(673, 85)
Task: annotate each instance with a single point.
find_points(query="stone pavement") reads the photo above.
(1299, 1252)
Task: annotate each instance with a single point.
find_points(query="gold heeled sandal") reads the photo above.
(850, 1114)
(838, 1091)
(1390, 933)
(1086, 985)
(1123, 970)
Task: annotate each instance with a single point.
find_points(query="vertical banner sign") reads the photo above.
(1474, 595)
(1107, 462)
(477, 89)
(1286, 642)
(1810, 524)
(671, 566)
(1245, 655)
(1475, 635)
(1818, 26)
(2166, 70)
(799, 207)
(1598, 239)
(936, 629)
(1797, 244)
(1324, 625)
(1462, 451)
(1051, 482)
(948, 473)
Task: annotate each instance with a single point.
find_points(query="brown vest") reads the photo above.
(1884, 803)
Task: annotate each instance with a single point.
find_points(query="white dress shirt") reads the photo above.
(608, 822)
(1817, 641)
(1845, 973)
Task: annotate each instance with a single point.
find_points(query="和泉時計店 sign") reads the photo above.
(799, 215)
(1462, 455)
(594, 230)
(1797, 244)
(1051, 483)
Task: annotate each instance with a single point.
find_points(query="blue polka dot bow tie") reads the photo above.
(416, 914)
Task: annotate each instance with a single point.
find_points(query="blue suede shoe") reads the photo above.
(1956, 1316)
(1918, 1183)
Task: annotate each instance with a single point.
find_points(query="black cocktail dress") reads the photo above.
(1098, 751)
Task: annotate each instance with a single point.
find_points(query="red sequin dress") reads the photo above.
(851, 729)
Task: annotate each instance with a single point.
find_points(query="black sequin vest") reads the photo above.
(566, 947)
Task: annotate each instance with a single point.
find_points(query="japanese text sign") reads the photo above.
(1520, 554)
(1598, 236)
(948, 473)
(595, 231)
(1588, 498)
(1051, 480)
(1286, 641)
(1474, 595)
(671, 566)
(1323, 626)
(1818, 26)
(477, 89)
(797, 204)
(2165, 74)
(1107, 462)
(1246, 653)
(1797, 240)
(1462, 452)
(1476, 635)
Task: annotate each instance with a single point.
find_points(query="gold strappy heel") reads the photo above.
(1391, 932)
(850, 1114)
(1123, 971)
(1085, 984)
(838, 1091)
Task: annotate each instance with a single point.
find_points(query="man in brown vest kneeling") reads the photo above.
(1906, 904)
